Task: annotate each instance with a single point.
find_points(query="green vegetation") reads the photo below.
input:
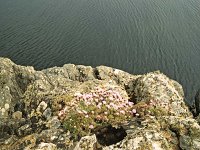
(83, 113)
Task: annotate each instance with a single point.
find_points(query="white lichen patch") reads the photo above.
(7, 106)
(45, 146)
(117, 71)
(136, 142)
(157, 146)
(3, 111)
(86, 142)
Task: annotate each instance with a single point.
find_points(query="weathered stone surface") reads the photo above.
(157, 88)
(170, 132)
(46, 146)
(17, 115)
(116, 75)
(30, 103)
(87, 142)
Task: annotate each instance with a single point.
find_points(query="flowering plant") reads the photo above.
(98, 108)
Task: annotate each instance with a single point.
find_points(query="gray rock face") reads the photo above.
(31, 103)
(13, 83)
(162, 91)
(87, 142)
(197, 102)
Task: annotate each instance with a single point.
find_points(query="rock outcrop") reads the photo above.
(33, 105)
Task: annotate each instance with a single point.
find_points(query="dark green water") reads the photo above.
(137, 36)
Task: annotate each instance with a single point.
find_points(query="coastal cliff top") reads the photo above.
(80, 107)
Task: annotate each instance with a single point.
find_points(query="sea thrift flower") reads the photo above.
(103, 105)
(120, 106)
(111, 98)
(99, 106)
(122, 112)
(91, 126)
(112, 104)
(134, 111)
(88, 96)
(84, 97)
(88, 103)
(94, 95)
(108, 106)
(115, 107)
(104, 102)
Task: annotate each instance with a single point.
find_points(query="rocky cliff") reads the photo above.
(80, 107)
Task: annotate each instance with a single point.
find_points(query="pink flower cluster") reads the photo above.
(108, 100)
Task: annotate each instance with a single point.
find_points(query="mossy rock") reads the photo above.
(157, 111)
(59, 101)
(145, 108)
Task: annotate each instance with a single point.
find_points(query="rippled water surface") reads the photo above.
(137, 36)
